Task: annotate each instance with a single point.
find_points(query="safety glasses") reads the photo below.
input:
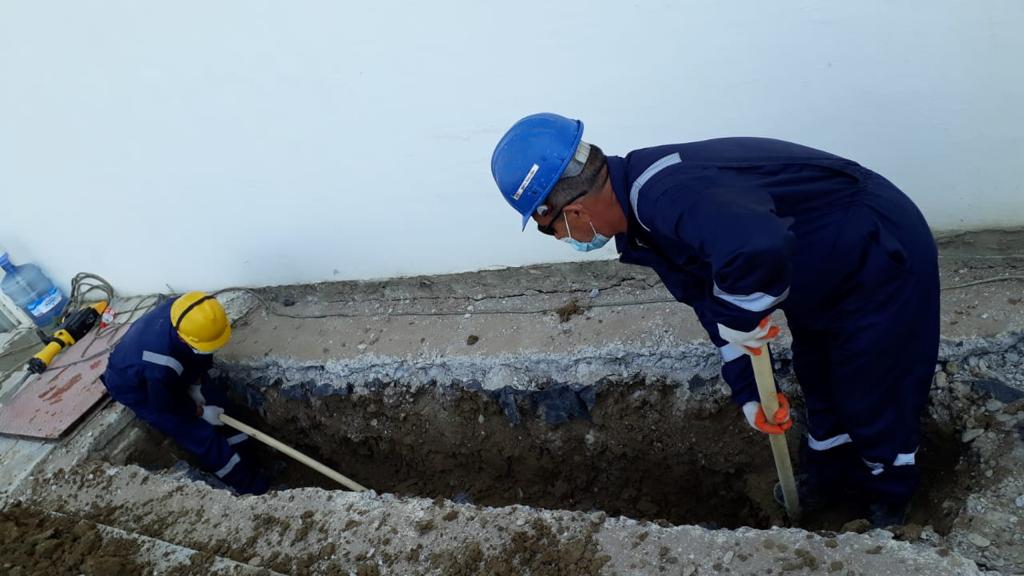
(549, 228)
(543, 209)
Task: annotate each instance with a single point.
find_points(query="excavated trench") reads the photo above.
(641, 449)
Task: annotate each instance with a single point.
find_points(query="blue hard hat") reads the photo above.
(531, 157)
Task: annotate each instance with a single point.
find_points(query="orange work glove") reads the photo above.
(758, 421)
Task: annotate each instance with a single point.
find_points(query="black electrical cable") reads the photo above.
(82, 284)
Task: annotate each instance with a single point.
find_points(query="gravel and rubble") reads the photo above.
(990, 410)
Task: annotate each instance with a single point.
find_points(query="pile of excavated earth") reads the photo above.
(559, 419)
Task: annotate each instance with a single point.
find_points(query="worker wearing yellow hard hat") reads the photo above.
(200, 322)
(160, 370)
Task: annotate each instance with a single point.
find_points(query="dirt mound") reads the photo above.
(537, 551)
(36, 543)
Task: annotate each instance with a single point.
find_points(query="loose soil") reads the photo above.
(33, 542)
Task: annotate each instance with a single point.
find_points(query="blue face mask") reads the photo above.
(598, 241)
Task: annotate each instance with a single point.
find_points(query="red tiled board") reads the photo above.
(49, 404)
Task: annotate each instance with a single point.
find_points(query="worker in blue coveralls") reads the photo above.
(740, 227)
(159, 370)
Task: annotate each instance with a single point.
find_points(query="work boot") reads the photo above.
(884, 514)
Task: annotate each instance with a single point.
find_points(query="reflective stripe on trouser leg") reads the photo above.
(875, 467)
(240, 437)
(228, 467)
(908, 459)
(829, 443)
(245, 477)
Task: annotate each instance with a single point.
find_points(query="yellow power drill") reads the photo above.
(72, 330)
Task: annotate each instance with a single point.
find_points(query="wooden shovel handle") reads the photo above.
(780, 450)
(288, 450)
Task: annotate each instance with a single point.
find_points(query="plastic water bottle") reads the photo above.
(32, 291)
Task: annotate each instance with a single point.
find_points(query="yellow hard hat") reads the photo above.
(200, 321)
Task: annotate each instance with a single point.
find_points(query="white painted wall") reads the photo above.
(200, 144)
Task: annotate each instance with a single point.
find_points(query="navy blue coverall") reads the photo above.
(150, 371)
(740, 227)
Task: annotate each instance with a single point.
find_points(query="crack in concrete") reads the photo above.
(502, 296)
